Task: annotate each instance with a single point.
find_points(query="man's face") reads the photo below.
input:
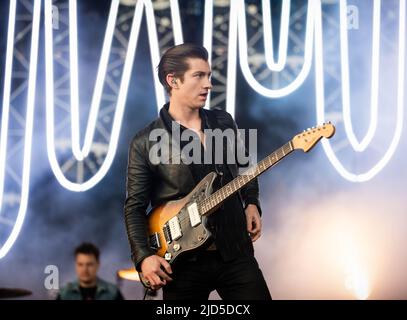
(193, 91)
(86, 267)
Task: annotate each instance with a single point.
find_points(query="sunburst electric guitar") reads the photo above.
(179, 226)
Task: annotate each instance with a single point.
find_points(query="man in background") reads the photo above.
(88, 286)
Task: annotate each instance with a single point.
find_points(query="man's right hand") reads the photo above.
(153, 273)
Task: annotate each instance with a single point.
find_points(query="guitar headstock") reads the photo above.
(307, 139)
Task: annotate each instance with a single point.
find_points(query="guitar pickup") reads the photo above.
(175, 228)
(194, 216)
(155, 241)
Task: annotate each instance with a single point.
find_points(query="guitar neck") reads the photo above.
(208, 205)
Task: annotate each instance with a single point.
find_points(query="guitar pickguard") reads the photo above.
(194, 234)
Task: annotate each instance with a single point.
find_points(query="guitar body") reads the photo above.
(170, 245)
(173, 227)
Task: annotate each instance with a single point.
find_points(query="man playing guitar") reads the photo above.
(221, 257)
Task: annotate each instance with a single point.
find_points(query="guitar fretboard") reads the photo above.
(239, 182)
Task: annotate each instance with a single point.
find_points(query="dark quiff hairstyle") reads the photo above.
(87, 248)
(174, 61)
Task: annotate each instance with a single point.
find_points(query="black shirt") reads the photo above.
(217, 221)
(201, 169)
(88, 293)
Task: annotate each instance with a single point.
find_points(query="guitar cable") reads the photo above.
(145, 293)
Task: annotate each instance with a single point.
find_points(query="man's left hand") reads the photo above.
(253, 220)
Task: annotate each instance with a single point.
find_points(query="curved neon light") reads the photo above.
(238, 8)
(268, 35)
(6, 96)
(100, 79)
(128, 65)
(400, 99)
(29, 117)
(360, 146)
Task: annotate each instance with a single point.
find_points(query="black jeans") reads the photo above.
(195, 278)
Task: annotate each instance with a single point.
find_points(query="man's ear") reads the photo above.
(171, 81)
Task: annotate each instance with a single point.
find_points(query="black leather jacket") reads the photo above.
(153, 184)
